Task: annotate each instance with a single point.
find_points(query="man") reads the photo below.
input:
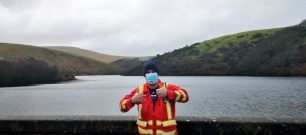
(156, 103)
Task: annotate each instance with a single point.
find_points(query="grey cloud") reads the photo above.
(138, 27)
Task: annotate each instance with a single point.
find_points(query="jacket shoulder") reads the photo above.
(172, 86)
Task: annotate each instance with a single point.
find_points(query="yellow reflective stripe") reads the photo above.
(169, 113)
(165, 86)
(123, 104)
(161, 132)
(140, 90)
(158, 123)
(150, 122)
(178, 95)
(145, 131)
(169, 123)
(139, 111)
(184, 95)
(141, 123)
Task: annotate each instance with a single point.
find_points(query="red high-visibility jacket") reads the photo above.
(156, 118)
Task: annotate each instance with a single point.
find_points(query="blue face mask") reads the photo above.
(152, 78)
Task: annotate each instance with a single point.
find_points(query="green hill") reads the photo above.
(87, 53)
(269, 52)
(23, 64)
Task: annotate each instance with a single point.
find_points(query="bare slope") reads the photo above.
(87, 53)
(64, 62)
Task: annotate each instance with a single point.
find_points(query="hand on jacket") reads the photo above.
(137, 98)
(162, 92)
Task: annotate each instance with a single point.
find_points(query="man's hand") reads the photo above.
(137, 98)
(162, 92)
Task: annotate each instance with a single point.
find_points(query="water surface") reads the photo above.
(269, 97)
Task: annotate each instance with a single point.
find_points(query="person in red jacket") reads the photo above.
(156, 103)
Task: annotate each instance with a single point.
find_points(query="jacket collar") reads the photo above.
(146, 88)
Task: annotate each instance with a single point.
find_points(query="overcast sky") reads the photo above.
(138, 27)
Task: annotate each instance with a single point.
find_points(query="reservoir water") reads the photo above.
(269, 97)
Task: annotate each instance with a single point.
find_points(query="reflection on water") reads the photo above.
(274, 97)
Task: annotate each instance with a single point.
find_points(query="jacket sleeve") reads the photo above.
(178, 94)
(126, 103)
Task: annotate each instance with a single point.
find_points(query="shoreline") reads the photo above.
(74, 78)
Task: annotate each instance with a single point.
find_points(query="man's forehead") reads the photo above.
(150, 71)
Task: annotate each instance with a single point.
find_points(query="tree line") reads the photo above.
(29, 71)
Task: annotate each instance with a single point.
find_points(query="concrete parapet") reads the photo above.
(126, 125)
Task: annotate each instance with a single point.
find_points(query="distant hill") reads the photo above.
(269, 52)
(87, 53)
(120, 63)
(21, 62)
(123, 65)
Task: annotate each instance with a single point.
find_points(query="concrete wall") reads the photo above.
(117, 125)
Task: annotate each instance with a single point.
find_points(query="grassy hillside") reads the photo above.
(87, 53)
(24, 57)
(269, 52)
